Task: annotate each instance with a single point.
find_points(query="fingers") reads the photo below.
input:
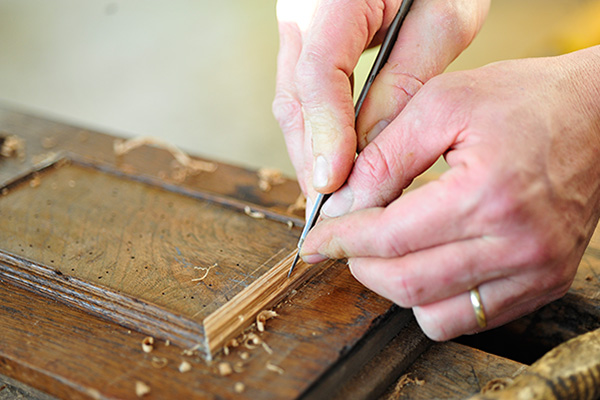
(434, 33)
(503, 301)
(333, 44)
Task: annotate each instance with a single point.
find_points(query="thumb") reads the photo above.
(424, 130)
(435, 32)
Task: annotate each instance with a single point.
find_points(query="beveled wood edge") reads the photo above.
(240, 312)
(117, 307)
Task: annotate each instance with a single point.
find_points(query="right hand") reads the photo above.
(320, 44)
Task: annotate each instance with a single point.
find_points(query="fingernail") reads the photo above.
(313, 258)
(376, 130)
(320, 173)
(339, 203)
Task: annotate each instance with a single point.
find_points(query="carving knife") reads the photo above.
(380, 60)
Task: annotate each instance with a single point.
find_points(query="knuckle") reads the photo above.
(374, 167)
(287, 111)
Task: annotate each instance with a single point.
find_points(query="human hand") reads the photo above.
(513, 214)
(320, 44)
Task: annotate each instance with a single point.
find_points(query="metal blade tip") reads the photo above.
(293, 264)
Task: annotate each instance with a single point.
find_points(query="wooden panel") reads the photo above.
(451, 371)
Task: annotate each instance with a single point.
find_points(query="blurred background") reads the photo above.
(201, 74)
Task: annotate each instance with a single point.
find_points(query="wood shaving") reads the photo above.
(159, 362)
(12, 146)
(262, 317)
(206, 271)
(233, 343)
(269, 177)
(191, 351)
(405, 380)
(185, 367)
(148, 344)
(238, 367)
(192, 166)
(244, 355)
(226, 350)
(253, 214)
(272, 367)
(290, 224)
(496, 384)
(141, 389)
(224, 368)
(299, 205)
(252, 341)
(167, 342)
(267, 347)
(35, 181)
(239, 387)
(4, 191)
(72, 183)
(49, 142)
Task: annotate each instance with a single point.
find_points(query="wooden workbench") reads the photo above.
(332, 337)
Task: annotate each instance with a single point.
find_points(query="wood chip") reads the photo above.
(405, 380)
(496, 384)
(4, 191)
(262, 317)
(141, 389)
(238, 367)
(121, 147)
(159, 362)
(224, 368)
(239, 387)
(267, 347)
(35, 181)
(272, 367)
(185, 367)
(12, 146)
(252, 341)
(206, 271)
(299, 205)
(269, 177)
(290, 224)
(148, 344)
(253, 214)
(244, 355)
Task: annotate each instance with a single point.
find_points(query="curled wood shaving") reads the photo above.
(224, 368)
(272, 367)
(12, 146)
(239, 387)
(141, 389)
(253, 214)
(269, 177)
(299, 205)
(206, 271)
(405, 380)
(190, 352)
(159, 362)
(122, 147)
(185, 367)
(148, 344)
(496, 384)
(262, 317)
(252, 341)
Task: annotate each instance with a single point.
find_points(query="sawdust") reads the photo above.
(158, 362)
(269, 177)
(187, 166)
(253, 214)
(206, 271)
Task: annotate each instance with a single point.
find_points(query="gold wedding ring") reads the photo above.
(478, 307)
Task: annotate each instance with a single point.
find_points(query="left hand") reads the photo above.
(512, 216)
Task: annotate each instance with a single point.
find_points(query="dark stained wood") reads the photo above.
(451, 371)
